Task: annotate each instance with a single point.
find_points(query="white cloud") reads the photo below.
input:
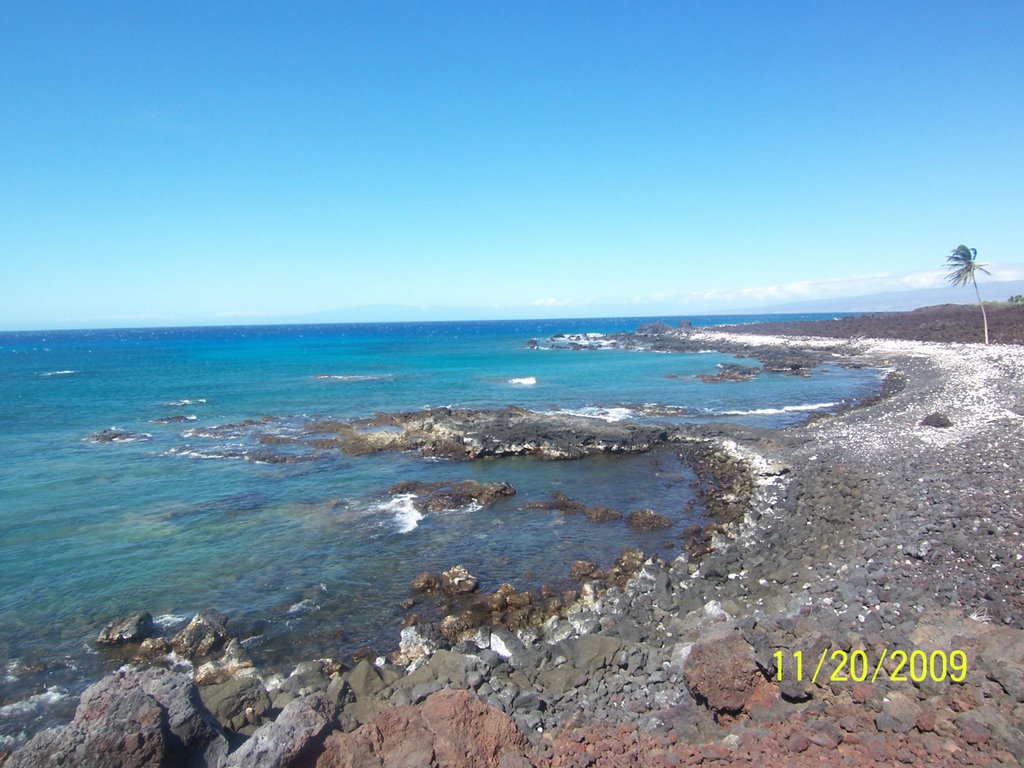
(553, 302)
(829, 288)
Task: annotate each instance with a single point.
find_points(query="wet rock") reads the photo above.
(470, 434)
(234, 661)
(116, 435)
(441, 497)
(562, 503)
(721, 670)
(426, 583)
(294, 739)
(131, 718)
(582, 568)
(450, 728)
(730, 372)
(602, 514)
(459, 581)
(151, 649)
(206, 633)
(416, 642)
(128, 629)
(647, 520)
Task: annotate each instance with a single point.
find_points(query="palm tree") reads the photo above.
(963, 269)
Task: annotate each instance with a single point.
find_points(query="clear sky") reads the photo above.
(172, 163)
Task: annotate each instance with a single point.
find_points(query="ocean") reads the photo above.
(196, 505)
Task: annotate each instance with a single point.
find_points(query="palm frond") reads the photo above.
(963, 265)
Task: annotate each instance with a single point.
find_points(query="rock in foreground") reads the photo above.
(451, 728)
(131, 719)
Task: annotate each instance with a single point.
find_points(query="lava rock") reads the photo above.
(128, 629)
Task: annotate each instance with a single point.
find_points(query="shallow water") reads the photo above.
(311, 557)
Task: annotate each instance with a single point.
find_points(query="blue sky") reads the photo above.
(173, 163)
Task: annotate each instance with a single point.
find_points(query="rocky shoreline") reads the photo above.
(864, 532)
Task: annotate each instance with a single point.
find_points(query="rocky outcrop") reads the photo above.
(128, 629)
(441, 497)
(468, 434)
(131, 719)
(451, 728)
(117, 435)
(647, 520)
(730, 372)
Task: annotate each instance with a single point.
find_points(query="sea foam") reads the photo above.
(777, 411)
(47, 698)
(405, 512)
(525, 381)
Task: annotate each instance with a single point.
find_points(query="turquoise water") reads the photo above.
(311, 557)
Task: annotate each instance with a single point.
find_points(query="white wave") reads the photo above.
(191, 453)
(352, 376)
(304, 606)
(405, 512)
(525, 381)
(596, 412)
(12, 667)
(200, 432)
(197, 401)
(171, 620)
(10, 742)
(59, 373)
(120, 436)
(47, 698)
(776, 411)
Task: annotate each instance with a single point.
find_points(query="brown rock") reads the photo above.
(861, 692)
(453, 626)
(582, 568)
(647, 520)
(926, 721)
(204, 634)
(152, 648)
(974, 732)
(132, 719)
(451, 728)
(763, 701)
(459, 581)
(721, 671)
(798, 742)
(426, 582)
(602, 514)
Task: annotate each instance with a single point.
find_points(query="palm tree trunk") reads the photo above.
(984, 317)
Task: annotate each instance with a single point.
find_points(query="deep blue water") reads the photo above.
(312, 557)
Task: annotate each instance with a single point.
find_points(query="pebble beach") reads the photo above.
(885, 529)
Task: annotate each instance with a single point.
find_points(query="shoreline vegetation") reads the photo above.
(821, 617)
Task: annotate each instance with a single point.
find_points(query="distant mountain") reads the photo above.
(899, 301)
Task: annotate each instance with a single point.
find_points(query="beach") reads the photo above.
(836, 548)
